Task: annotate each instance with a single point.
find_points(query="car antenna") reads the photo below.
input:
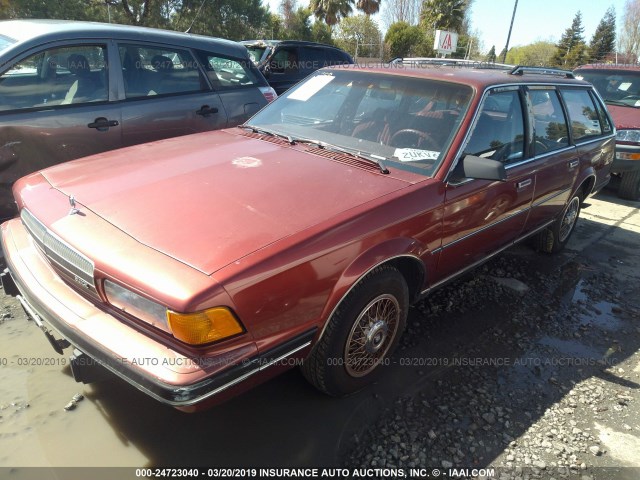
(188, 30)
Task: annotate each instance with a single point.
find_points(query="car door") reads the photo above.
(237, 83)
(56, 104)
(482, 216)
(165, 94)
(556, 160)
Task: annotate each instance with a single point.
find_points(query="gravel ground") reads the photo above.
(550, 390)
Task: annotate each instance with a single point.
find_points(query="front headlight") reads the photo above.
(204, 327)
(629, 136)
(136, 305)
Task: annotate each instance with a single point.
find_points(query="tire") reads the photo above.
(360, 335)
(554, 238)
(629, 188)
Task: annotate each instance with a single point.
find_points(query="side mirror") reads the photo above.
(479, 168)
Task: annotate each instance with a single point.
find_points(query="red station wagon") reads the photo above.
(196, 267)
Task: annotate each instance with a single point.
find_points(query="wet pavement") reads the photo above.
(529, 365)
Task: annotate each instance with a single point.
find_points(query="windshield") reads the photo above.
(256, 52)
(5, 42)
(618, 87)
(407, 123)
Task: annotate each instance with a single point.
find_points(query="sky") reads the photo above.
(535, 19)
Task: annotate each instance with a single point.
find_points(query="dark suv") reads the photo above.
(70, 89)
(619, 86)
(285, 62)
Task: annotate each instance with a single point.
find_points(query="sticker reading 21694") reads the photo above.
(415, 154)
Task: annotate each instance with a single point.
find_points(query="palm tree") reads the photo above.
(444, 14)
(369, 7)
(331, 11)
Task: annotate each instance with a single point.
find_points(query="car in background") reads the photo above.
(619, 86)
(285, 62)
(71, 89)
(218, 260)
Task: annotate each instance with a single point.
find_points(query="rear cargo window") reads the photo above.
(585, 121)
(228, 73)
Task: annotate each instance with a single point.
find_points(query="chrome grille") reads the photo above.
(74, 265)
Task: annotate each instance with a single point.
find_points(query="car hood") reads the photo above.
(210, 199)
(624, 117)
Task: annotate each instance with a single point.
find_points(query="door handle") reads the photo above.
(206, 110)
(102, 124)
(573, 164)
(523, 184)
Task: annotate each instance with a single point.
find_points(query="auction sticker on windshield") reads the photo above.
(414, 154)
(305, 91)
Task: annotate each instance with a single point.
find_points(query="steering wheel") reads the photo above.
(418, 135)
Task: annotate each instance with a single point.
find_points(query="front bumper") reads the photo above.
(153, 367)
(621, 164)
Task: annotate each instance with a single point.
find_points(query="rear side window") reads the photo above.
(585, 121)
(312, 59)
(604, 118)
(284, 60)
(149, 71)
(336, 57)
(57, 76)
(550, 124)
(499, 130)
(227, 73)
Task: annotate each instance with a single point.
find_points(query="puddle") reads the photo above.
(598, 314)
(570, 349)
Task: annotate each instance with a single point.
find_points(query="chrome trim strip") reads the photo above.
(353, 285)
(519, 212)
(546, 199)
(238, 380)
(483, 260)
(594, 140)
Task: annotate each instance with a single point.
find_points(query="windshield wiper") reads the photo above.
(270, 133)
(378, 160)
(619, 103)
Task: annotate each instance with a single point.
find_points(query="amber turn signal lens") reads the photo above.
(203, 327)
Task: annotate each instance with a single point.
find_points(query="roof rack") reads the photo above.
(448, 62)
(522, 69)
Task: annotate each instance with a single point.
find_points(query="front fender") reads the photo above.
(393, 250)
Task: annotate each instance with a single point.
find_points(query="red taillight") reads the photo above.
(269, 93)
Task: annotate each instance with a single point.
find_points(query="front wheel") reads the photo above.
(361, 334)
(555, 237)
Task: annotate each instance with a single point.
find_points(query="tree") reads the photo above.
(331, 11)
(407, 11)
(535, 54)
(630, 31)
(321, 32)
(603, 42)
(233, 19)
(401, 38)
(444, 14)
(368, 7)
(572, 50)
(358, 35)
(61, 9)
(491, 56)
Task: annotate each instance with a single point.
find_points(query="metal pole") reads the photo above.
(506, 48)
